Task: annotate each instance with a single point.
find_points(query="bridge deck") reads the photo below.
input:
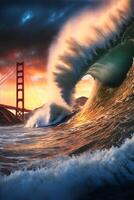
(14, 108)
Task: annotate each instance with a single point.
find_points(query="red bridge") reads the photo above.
(14, 108)
(20, 109)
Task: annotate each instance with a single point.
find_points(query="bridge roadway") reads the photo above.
(14, 108)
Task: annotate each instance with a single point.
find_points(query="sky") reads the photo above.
(27, 29)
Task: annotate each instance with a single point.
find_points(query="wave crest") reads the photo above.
(78, 177)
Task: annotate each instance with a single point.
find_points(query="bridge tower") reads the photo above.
(20, 90)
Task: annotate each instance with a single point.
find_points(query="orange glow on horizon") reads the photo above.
(35, 84)
(35, 89)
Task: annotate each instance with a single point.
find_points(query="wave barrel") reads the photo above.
(112, 69)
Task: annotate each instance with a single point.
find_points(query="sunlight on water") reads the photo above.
(45, 155)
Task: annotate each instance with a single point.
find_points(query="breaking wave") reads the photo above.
(88, 176)
(75, 49)
(105, 173)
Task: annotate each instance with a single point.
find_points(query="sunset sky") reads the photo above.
(26, 32)
(35, 88)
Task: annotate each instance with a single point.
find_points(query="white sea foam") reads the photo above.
(67, 178)
(76, 45)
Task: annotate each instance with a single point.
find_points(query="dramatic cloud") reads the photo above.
(27, 27)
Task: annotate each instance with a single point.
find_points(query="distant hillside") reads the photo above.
(7, 117)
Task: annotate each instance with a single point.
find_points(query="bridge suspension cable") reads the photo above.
(7, 76)
(18, 72)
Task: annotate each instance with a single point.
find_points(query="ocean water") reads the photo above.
(106, 174)
(90, 156)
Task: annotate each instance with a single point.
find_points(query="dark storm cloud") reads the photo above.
(24, 26)
(30, 26)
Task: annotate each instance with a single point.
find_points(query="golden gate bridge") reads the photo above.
(19, 109)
